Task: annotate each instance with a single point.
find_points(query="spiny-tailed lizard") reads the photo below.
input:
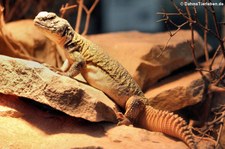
(109, 76)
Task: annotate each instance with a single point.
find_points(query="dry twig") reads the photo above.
(63, 9)
(167, 20)
(79, 15)
(88, 15)
(81, 7)
(205, 34)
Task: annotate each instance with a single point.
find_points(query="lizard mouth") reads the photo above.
(39, 24)
(43, 20)
(49, 31)
(42, 25)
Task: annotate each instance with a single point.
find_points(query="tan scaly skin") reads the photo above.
(107, 75)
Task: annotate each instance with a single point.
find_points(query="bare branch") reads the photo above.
(214, 57)
(217, 28)
(171, 35)
(205, 34)
(208, 30)
(88, 13)
(63, 9)
(181, 13)
(192, 44)
(79, 15)
(168, 14)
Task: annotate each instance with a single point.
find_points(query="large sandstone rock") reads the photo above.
(32, 80)
(140, 53)
(182, 90)
(35, 129)
(26, 34)
(177, 92)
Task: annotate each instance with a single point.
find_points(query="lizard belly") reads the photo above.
(97, 78)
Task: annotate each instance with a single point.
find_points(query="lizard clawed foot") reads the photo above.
(122, 119)
(61, 73)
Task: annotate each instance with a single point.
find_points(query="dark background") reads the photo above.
(110, 15)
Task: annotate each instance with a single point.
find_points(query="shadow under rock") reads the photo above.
(49, 120)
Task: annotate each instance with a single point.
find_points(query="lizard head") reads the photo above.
(55, 28)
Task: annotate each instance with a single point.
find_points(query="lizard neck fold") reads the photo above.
(76, 43)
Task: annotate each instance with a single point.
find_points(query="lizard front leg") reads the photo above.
(134, 106)
(78, 63)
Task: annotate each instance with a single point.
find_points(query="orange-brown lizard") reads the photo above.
(109, 76)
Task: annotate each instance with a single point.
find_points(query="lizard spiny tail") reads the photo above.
(166, 122)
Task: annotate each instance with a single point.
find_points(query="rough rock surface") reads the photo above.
(177, 92)
(32, 80)
(140, 53)
(181, 90)
(23, 31)
(35, 129)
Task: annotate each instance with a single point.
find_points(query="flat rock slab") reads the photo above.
(36, 129)
(140, 53)
(32, 80)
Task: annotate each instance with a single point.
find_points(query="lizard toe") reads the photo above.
(124, 121)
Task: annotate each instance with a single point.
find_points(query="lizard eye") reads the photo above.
(51, 15)
(71, 45)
